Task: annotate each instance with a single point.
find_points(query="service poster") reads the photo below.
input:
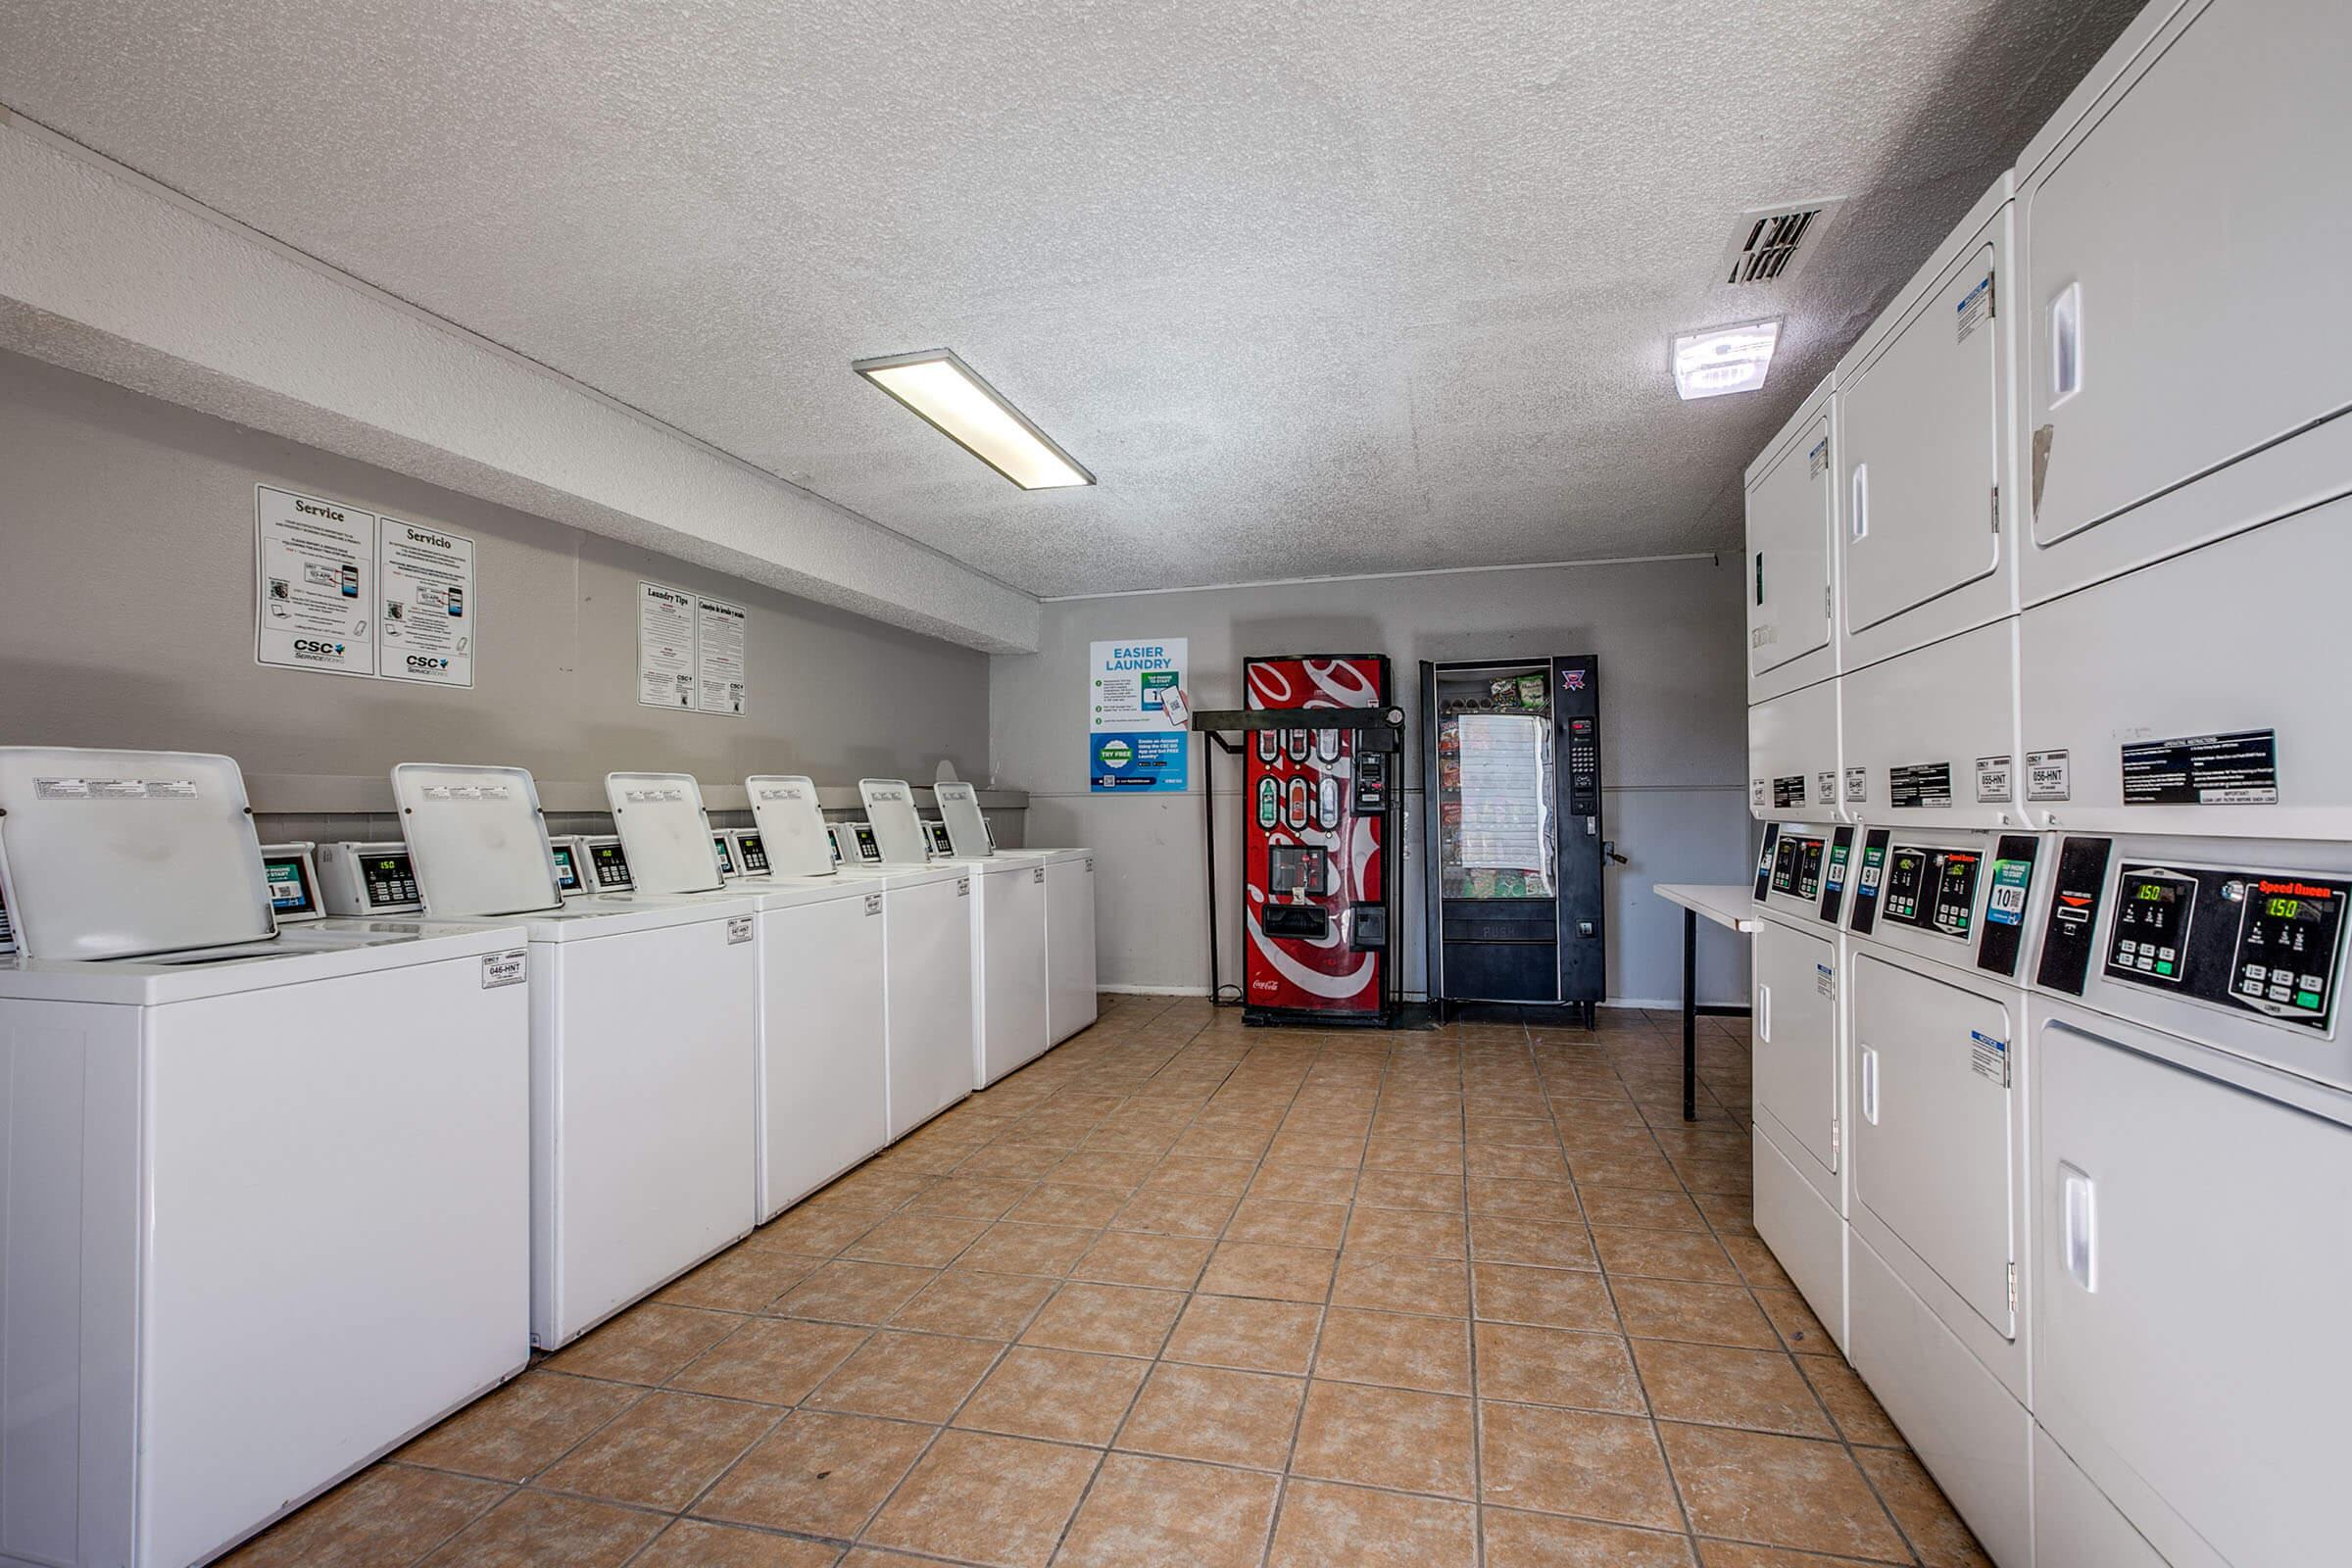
(314, 590)
(424, 578)
(664, 647)
(1132, 739)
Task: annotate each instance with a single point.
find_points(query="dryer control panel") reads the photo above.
(1970, 890)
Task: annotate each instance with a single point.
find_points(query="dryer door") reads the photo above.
(1796, 1030)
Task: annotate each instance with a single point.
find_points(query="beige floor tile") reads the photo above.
(1860, 1419)
(518, 1431)
(1706, 1314)
(775, 1360)
(1541, 1540)
(742, 1280)
(1755, 1262)
(1524, 1200)
(1796, 1323)
(534, 1530)
(1020, 1162)
(1439, 1286)
(1406, 1230)
(1664, 1254)
(1168, 1211)
(925, 1241)
(645, 1344)
(1264, 1270)
(690, 1543)
(815, 1231)
(1546, 1244)
(1921, 1509)
(1557, 1367)
(1215, 1414)
(974, 1196)
(907, 1377)
(1059, 1202)
(1064, 1396)
(848, 1292)
(975, 1305)
(984, 1498)
(1396, 1349)
(1740, 1554)
(1129, 1257)
(1430, 1192)
(391, 1514)
(1097, 1168)
(1515, 1162)
(664, 1451)
(1015, 1248)
(1109, 1319)
(1298, 1182)
(1719, 1386)
(1777, 1492)
(1560, 1298)
(1146, 1512)
(1229, 1178)
(1393, 1437)
(1414, 1154)
(1283, 1223)
(820, 1474)
(1605, 1467)
(1322, 1526)
(1254, 1336)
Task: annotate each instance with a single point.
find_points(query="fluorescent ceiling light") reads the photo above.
(967, 411)
(1724, 358)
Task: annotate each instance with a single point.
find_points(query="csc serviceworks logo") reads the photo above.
(312, 648)
(419, 661)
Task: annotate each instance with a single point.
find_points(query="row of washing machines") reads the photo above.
(2051, 746)
(304, 1146)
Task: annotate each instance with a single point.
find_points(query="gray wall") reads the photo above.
(1674, 735)
(126, 619)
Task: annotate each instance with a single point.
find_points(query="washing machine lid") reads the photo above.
(476, 838)
(111, 853)
(792, 824)
(890, 811)
(960, 809)
(665, 831)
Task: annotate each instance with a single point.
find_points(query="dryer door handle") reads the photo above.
(1870, 1085)
(2078, 1222)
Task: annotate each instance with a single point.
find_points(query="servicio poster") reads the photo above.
(1134, 741)
(424, 579)
(690, 652)
(315, 583)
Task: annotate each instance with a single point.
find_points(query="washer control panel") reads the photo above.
(1932, 889)
(2266, 942)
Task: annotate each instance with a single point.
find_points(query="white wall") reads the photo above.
(1673, 696)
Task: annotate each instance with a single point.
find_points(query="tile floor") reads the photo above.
(1182, 1293)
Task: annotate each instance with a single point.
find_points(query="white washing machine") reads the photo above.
(926, 942)
(1797, 757)
(1793, 554)
(2172, 392)
(1008, 931)
(1071, 999)
(642, 1068)
(1926, 433)
(1800, 1056)
(1938, 1267)
(2191, 1148)
(268, 1200)
(820, 1063)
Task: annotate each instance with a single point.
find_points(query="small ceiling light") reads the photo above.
(1724, 358)
(954, 401)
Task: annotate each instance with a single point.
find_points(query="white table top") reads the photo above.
(1732, 904)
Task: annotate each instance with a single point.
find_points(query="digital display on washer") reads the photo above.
(1932, 889)
(608, 865)
(1295, 867)
(938, 834)
(388, 879)
(292, 897)
(752, 852)
(568, 871)
(725, 852)
(869, 848)
(2152, 920)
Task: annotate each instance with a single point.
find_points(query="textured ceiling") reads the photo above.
(1342, 287)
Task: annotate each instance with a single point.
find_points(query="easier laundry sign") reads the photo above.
(1135, 740)
(347, 591)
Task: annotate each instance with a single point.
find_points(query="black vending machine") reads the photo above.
(1512, 846)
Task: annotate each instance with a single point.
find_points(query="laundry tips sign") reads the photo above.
(1135, 737)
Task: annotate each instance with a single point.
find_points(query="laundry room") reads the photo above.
(1030, 786)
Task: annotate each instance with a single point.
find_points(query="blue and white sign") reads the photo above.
(1136, 736)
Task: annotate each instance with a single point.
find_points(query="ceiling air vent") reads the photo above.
(1769, 245)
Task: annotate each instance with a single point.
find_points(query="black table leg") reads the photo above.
(1689, 1015)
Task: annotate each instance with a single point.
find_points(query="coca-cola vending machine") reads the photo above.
(1315, 904)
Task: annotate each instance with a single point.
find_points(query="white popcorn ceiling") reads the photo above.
(1346, 287)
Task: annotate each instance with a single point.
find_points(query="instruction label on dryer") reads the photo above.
(1988, 1058)
(1920, 784)
(113, 789)
(2239, 768)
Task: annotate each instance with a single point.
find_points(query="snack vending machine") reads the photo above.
(1315, 877)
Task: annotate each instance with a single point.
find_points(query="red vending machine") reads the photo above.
(1316, 903)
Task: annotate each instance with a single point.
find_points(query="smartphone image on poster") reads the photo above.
(350, 579)
(456, 600)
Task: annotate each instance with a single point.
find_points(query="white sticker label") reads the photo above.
(1755, 792)
(1824, 784)
(1974, 309)
(873, 904)
(1992, 779)
(1817, 461)
(963, 887)
(113, 789)
(509, 969)
(1825, 980)
(2046, 776)
(1037, 874)
(1090, 865)
(739, 928)
(1988, 1058)
(1857, 784)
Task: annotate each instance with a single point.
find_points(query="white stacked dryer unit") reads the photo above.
(821, 1097)
(642, 1070)
(1939, 1270)
(927, 949)
(2191, 1148)
(1008, 931)
(1795, 728)
(266, 1198)
(1071, 1000)
(1801, 1057)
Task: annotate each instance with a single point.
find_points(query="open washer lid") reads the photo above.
(890, 810)
(968, 829)
(477, 839)
(792, 824)
(665, 832)
(108, 854)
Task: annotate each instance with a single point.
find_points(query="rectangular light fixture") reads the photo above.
(952, 397)
(1724, 358)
